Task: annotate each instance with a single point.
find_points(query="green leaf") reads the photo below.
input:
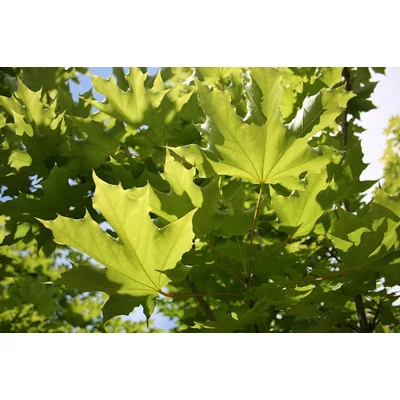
(33, 109)
(216, 75)
(21, 126)
(137, 262)
(236, 219)
(379, 70)
(49, 78)
(19, 159)
(299, 212)
(331, 76)
(185, 195)
(361, 242)
(57, 197)
(134, 106)
(121, 79)
(271, 153)
(91, 143)
(229, 324)
(171, 105)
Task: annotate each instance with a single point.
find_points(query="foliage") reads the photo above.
(231, 197)
(391, 157)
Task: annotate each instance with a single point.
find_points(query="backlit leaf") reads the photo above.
(268, 153)
(135, 264)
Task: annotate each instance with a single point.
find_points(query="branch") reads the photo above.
(177, 295)
(362, 317)
(344, 123)
(375, 322)
(203, 304)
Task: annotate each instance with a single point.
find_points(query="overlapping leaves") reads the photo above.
(258, 128)
(363, 241)
(262, 149)
(136, 264)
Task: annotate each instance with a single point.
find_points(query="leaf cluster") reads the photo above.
(229, 197)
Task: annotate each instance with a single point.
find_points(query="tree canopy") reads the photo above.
(229, 199)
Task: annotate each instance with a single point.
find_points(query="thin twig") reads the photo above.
(177, 295)
(270, 252)
(322, 278)
(222, 254)
(241, 255)
(230, 272)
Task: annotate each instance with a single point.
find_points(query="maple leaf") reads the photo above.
(185, 195)
(57, 197)
(236, 220)
(362, 241)
(39, 128)
(299, 212)
(136, 264)
(263, 152)
(94, 146)
(133, 106)
(31, 115)
(229, 324)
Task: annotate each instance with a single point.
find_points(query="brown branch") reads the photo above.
(203, 304)
(177, 295)
(344, 123)
(362, 317)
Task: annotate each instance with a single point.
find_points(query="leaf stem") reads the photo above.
(241, 256)
(253, 228)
